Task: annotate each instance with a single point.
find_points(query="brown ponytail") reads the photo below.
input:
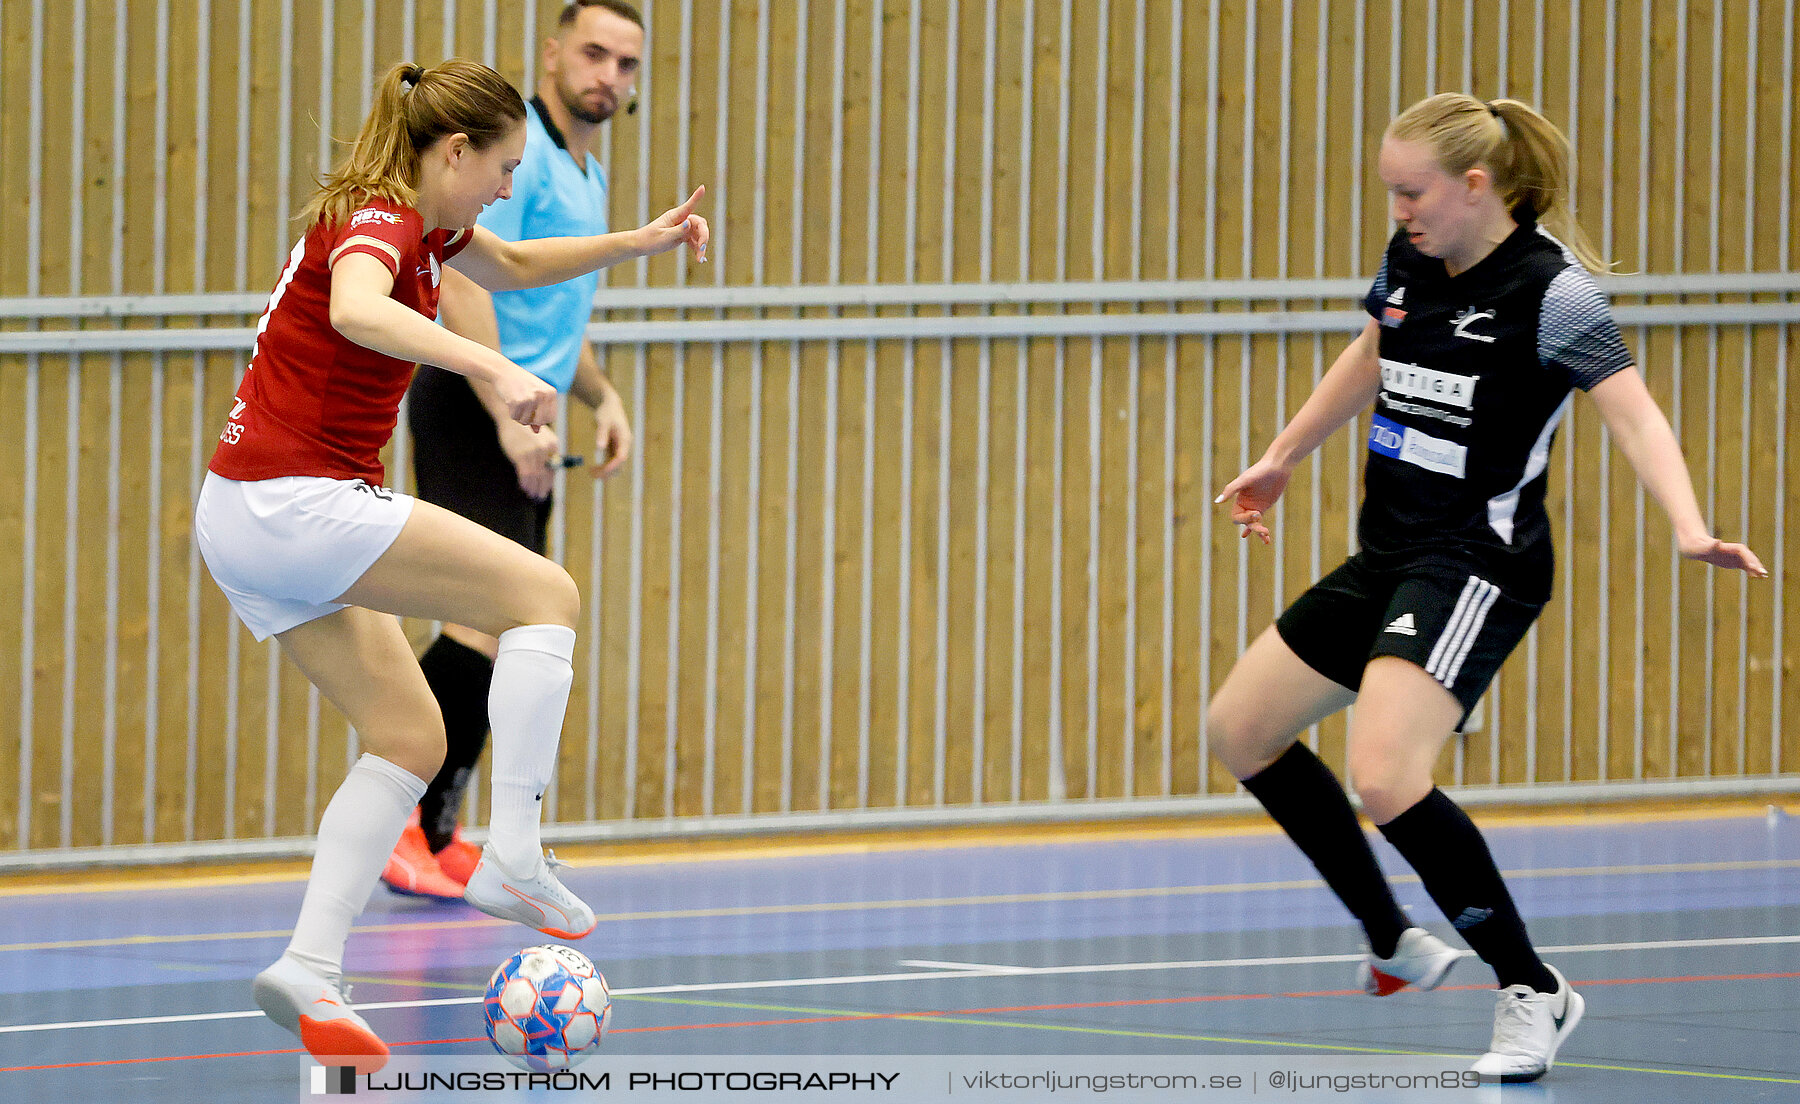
(1526, 153)
(414, 107)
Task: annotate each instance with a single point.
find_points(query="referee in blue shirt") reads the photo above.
(470, 456)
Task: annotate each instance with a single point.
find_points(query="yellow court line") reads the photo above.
(659, 853)
(1683, 1073)
(925, 1018)
(414, 983)
(1147, 892)
(295, 870)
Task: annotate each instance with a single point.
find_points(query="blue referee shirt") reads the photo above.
(541, 328)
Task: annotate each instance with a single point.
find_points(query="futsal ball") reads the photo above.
(547, 1008)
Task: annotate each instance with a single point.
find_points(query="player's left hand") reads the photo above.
(678, 226)
(612, 435)
(1737, 557)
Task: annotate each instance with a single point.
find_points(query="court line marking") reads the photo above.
(949, 839)
(961, 1016)
(935, 975)
(824, 1015)
(1121, 894)
(986, 969)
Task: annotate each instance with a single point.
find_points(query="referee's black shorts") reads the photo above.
(1456, 625)
(458, 464)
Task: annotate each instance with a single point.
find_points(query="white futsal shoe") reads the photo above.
(1528, 1027)
(1420, 959)
(318, 1011)
(537, 899)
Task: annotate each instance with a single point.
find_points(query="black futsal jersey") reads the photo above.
(1476, 373)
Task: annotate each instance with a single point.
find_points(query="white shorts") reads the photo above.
(282, 549)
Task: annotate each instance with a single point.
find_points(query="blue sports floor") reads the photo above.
(1682, 932)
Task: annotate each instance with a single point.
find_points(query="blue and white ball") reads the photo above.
(547, 1008)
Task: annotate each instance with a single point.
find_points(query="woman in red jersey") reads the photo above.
(297, 529)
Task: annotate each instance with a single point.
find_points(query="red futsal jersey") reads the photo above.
(313, 402)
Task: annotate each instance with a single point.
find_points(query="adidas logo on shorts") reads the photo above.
(1403, 625)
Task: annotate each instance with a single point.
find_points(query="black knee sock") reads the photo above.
(1445, 847)
(459, 677)
(1304, 797)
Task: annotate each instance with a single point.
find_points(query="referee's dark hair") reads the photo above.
(617, 7)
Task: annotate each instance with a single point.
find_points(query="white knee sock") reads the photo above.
(530, 692)
(356, 835)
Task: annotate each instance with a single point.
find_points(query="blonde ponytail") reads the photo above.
(1526, 153)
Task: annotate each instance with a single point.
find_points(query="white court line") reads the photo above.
(983, 967)
(941, 971)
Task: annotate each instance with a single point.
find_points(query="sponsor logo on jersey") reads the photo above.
(1428, 383)
(1422, 450)
(1392, 315)
(370, 214)
(1461, 323)
(234, 429)
(1423, 410)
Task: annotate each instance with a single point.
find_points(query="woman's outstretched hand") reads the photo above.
(678, 226)
(1252, 493)
(1735, 557)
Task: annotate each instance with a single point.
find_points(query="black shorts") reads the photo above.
(1440, 616)
(458, 464)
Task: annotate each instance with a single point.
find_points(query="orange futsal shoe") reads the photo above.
(459, 858)
(314, 1008)
(413, 870)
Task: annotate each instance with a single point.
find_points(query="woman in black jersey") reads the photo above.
(1484, 320)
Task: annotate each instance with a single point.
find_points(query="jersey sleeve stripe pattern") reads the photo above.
(1576, 331)
(388, 255)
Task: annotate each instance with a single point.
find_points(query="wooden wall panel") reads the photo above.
(883, 573)
(777, 473)
(16, 141)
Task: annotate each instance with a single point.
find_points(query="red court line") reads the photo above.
(200, 1057)
(138, 1061)
(924, 1013)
